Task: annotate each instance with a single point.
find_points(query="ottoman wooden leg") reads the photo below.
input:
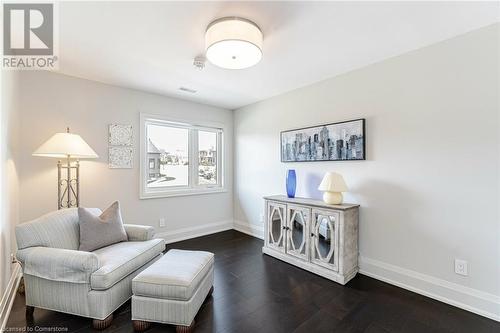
(140, 325)
(185, 329)
(29, 311)
(208, 295)
(102, 324)
(30, 318)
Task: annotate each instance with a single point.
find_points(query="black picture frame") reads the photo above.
(359, 142)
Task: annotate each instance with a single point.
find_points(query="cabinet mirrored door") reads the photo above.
(276, 226)
(324, 238)
(297, 231)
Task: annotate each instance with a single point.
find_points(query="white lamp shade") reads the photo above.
(233, 43)
(333, 182)
(62, 145)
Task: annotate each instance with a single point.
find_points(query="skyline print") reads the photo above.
(341, 141)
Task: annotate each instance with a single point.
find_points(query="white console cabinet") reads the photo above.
(312, 235)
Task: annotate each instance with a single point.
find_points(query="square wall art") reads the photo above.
(120, 135)
(120, 157)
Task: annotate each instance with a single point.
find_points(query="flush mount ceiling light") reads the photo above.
(233, 43)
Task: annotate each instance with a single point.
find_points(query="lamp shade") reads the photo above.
(233, 43)
(63, 145)
(333, 182)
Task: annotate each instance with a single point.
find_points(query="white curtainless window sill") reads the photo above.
(181, 192)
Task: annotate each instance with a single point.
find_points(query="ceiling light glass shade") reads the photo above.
(62, 145)
(233, 43)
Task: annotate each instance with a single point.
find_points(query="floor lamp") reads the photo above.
(68, 146)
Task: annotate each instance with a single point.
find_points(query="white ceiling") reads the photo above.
(150, 46)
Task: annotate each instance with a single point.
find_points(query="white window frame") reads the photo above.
(193, 188)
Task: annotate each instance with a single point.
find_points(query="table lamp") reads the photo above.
(68, 146)
(332, 185)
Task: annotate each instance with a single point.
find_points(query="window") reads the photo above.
(178, 158)
(207, 157)
(170, 146)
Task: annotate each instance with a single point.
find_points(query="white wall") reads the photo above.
(429, 187)
(9, 183)
(52, 101)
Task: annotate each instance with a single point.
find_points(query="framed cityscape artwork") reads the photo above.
(343, 141)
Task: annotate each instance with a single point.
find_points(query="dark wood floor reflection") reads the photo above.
(257, 293)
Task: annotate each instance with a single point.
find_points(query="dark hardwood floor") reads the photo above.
(257, 293)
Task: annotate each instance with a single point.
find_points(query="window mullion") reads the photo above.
(194, 158)
(220, 159)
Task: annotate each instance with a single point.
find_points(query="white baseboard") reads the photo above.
(473, 300)
(193, 232)
(9, 295)
(249, 229)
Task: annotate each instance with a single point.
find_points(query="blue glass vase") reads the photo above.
(291, 183)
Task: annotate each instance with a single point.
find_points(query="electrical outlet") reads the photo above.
(162, 222)
(461, 267)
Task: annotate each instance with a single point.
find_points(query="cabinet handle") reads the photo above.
(312, 235)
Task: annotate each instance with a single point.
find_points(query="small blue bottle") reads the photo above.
(291, 183)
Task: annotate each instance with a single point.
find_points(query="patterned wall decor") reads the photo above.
(120, 157)
(120, 135)
(121, 152)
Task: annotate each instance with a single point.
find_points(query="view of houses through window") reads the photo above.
(207, 157)
(169, 158)
(168, 151)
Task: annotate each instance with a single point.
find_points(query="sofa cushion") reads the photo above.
(177, 275)
(98, 231)
(119, 260)
(57, 229)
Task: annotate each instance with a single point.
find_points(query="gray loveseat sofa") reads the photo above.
(59, 277)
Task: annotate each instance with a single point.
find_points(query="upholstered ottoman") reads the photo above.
(172, 290)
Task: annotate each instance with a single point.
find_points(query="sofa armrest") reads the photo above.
(137, 232)
(58, 264)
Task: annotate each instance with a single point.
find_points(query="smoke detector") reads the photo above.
(199, 62)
